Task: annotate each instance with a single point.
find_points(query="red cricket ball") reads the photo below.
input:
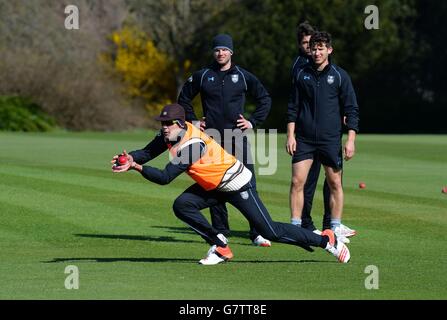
(444, 190)
(362, 185)
(122, 160)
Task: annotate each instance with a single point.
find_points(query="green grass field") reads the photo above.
(61, 205)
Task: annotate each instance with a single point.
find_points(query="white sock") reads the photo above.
(335, 223)
(296, 222)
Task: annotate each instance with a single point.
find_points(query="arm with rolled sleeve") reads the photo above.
(262, 97)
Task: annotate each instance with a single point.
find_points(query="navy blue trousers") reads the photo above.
(309, 192)
(188, 205)
(219, 212)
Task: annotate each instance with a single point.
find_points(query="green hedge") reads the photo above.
(20, 114)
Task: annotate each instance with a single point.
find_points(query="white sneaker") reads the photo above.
(260, 241)
(211, 258)
(342, 232)
(316, 231)
(346, 231)
(341, 237)
(336, 247)
(217, 255)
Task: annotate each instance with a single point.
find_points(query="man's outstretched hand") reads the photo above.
(117, 162)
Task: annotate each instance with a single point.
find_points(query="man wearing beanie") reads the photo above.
(223, 87)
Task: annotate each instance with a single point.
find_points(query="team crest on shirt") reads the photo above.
(244, 195)
(330, 79)
(235, 78)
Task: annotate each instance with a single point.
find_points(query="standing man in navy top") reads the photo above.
(304, 33)
(222, 87)
(321, 98)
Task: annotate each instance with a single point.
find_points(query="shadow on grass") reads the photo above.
(184, 230)
(180, 260)
(135, 237)
(166, 238)
(118, 259)
(233, 234)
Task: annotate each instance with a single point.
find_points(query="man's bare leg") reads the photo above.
(336, 201)
(300, 170)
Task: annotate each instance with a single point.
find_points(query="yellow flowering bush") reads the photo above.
(146, 72)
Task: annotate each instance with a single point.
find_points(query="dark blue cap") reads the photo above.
(223, 41)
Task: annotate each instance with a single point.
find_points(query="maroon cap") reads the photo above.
(172, 112)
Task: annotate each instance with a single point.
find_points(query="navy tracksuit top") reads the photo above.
(223, 96)
(318, 103)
